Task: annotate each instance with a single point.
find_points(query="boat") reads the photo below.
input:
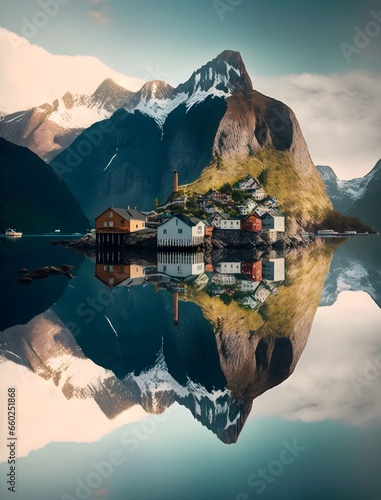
(12, 232)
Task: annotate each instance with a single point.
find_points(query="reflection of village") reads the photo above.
(248, 283)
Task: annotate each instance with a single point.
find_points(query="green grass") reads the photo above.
(302, 197)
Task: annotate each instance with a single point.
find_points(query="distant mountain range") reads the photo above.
(34, 76)
(216, 120)
(32, 199)
(358, 197)
(48, 129)
(355, 267)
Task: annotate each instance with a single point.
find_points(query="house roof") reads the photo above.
(272, 213)
(126, 213)
(189, 221)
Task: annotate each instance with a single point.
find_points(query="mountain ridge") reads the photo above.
(51, 127)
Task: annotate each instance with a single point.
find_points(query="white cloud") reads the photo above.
(340, 116)
(332, 380)
(100, 13)
(31, 76)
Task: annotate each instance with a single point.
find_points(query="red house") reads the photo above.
(252, 270)
(251, 223)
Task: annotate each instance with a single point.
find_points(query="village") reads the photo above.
(248, 283)
(186, 219)
(181, 227)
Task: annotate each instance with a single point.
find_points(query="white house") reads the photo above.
(262, 292)
(180, 264)
(248, 286)
(273, 221)
(259, 194)
(247, 207)
(273, 269)
(223, 279)
(227, 223)
(228, 267)
(181, 231)
(246, 184)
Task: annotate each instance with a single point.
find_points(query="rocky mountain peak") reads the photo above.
(225, 73)
(156, 89)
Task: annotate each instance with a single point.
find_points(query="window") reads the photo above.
(105, 224)
(111, 268)
(111, 223)
(122, 222)
(111, 281)
(105, 268)
(199, 229)
(164, 269)
(180, 231)
(122, 270)
(137, 226)
(164, 231)
(111, 214)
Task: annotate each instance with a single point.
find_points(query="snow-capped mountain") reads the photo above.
(358, 197)
(217, 78)
(214, 114)
(49, 128)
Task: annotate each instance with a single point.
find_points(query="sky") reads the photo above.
(323, 59)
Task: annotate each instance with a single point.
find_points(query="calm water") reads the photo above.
(165, 377)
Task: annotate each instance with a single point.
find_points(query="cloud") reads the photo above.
(334, 379)
(31, 76)
(99, 13)
(340, 116)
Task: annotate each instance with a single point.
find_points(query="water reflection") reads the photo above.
(151, 330)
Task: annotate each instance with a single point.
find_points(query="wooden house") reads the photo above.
(118, 221)
(252, 222)
(114, 275)
(252, 270)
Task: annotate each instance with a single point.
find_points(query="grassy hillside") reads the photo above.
(32, 199)
(301, 197)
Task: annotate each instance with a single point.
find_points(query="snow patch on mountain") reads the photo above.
(82, 116)
(159, 109)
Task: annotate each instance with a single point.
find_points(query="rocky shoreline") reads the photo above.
(220, 240)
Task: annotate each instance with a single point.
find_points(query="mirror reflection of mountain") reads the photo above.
(209, 336)
(355, 266)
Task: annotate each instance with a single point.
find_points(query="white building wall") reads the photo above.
(273, 269)
(175, 232)
(248, 286)
(229, 267)
(229, 224)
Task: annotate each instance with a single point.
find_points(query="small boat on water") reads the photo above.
(12, 232)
